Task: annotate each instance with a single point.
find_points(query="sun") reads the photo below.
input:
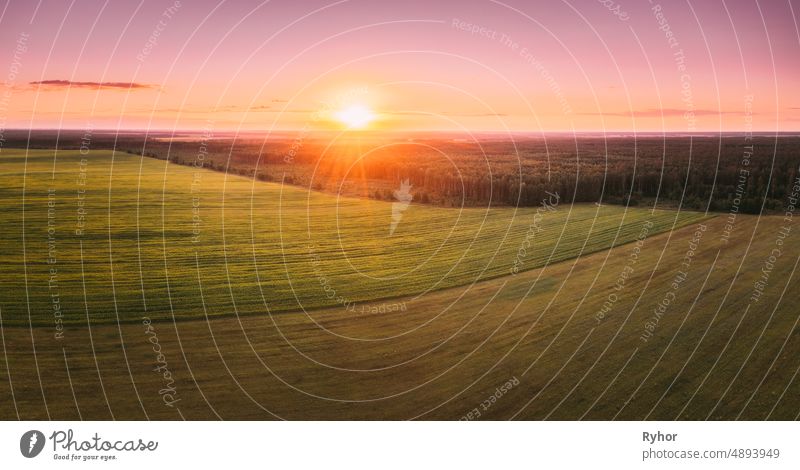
(355, 116)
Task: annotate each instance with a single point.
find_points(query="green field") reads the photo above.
(714, 352)
(711, 357)
(173, 241)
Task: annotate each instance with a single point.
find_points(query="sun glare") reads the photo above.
(355, 116)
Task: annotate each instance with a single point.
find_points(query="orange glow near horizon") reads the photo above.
(355, 116)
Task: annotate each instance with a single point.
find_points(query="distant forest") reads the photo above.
(699, 173)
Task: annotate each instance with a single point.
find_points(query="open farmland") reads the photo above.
(436, 325)
(113, 237)
(713, 354)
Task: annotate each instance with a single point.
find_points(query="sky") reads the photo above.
(464, 66)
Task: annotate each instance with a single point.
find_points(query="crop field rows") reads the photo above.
(426, 322)
(155, 234)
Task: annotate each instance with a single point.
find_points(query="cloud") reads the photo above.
(210, 110)
(442, 113)
(657, 113)
(61, 84)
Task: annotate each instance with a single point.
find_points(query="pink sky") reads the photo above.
(452, 65)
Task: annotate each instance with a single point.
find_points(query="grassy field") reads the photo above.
(682, 338)
(713, 355)
(152, 235)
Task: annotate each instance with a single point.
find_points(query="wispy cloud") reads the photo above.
(62, 84)
(210, 110)
(442, 113)
(658, 112)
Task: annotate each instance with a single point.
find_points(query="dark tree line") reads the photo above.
(698, 172)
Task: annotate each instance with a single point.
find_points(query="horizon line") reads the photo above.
(408, 131)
